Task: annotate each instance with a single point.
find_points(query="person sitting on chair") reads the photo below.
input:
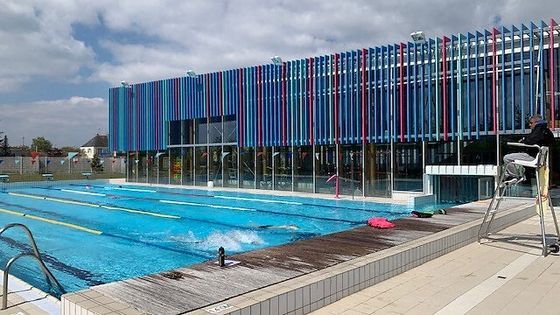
(540, 135)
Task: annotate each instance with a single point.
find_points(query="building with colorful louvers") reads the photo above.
(417, 117)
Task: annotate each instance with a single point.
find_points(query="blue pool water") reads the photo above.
(114, 233)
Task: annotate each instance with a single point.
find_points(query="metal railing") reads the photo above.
(35, 254)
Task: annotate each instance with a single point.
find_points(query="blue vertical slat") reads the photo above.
(395, 90)
(503, 113)
(415, 92)
(408, 106)
(531, 69)
(422, 86)
(468, 100)
(512, 76)
(485, 88)
(384, 97)
(429, 83)
(541, 92)
(476, 84)
(452, 113)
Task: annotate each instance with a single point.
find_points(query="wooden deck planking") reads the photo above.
(206, 283)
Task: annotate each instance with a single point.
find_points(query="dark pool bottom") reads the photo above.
(201, 285)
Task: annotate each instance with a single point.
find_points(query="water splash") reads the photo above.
(234, 240)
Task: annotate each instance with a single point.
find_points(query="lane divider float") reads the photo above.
(134, 189)
(204, 205)
(260, 200)
(160, 215)
(51, 221)
(83, 192)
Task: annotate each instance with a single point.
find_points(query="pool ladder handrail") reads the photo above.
(35, 254)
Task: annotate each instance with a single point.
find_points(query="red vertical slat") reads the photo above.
(259, 106)
(284, 103)
(444, 83)
(310, 90)
(401, 90)
(494, 61)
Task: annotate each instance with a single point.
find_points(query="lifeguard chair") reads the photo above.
(540, 162)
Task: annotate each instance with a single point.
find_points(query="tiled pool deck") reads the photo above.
(295, 278)
(505, 276)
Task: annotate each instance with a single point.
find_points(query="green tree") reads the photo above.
(96, 165)
(5, 147)
(40, 144)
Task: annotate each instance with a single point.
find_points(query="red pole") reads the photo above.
(337, 188)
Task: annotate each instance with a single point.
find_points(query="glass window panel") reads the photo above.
(247, 168)
(201, 166)
(201, 131)
(303, 169)
(215, 158)
(264, 168)
(152, 167)
(351, 170)
(175, 166)
(325, 167)
(408, 167)
(230, 129)
(175, 132)
(188, 166)
(162, 163)
(283, 168)
(378, 170)
(229, 163)
(215, 130)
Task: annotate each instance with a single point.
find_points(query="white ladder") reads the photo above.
(539, 162)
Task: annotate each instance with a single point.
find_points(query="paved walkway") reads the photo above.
(507, 276)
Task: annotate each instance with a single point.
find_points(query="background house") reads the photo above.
(96, 145)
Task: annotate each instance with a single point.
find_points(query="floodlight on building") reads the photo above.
(418, 37)
(277, 61)
(191, 73)
(125, 84)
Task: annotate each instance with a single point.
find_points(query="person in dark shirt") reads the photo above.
(540, 135)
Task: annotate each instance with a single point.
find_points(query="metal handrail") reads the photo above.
(50, 278)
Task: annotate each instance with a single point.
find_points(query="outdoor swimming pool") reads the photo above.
(90, 234)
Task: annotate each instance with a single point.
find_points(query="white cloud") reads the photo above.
(36, 40)
(36, 37)
(153, 39)
(70, 121)
(213, 35)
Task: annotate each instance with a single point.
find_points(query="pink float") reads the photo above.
(380, 223)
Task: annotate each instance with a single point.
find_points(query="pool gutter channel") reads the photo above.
(311, 284)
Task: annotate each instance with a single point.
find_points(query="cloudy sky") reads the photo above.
(59, 57)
